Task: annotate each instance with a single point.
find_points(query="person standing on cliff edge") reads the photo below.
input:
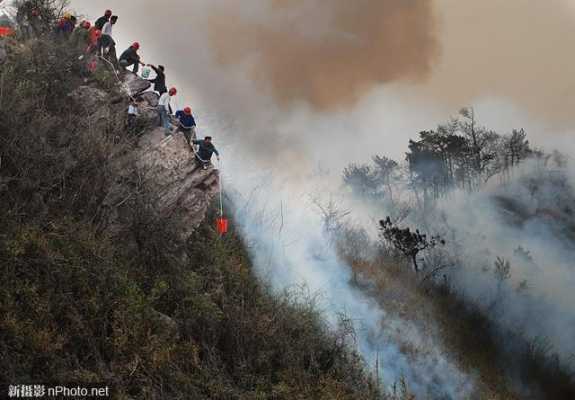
(205, 151)
(164, 110)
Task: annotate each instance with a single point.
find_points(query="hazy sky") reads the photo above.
(288, 77)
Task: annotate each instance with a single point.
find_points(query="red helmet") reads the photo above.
(136, 45)
(108, 13)
(188, 111)
(87, 25)
(172, 91)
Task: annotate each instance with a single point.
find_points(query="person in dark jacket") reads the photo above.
(131, 57)
(205, 151)
(100, 22)
(160, 80)
(187, 124)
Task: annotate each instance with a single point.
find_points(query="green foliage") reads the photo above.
(409, 243)
(74, 308)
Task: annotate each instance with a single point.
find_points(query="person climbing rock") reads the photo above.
(107, 43)
(164, 110)
(160, 80)
(131, 57)
(100, 22)
(187, 124)
(205, 151)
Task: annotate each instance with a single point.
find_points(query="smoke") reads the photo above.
(289, 248)
(328, 53)
(331, 53)
(301, 88)
(528, 222)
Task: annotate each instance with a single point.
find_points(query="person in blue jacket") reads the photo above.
(187, 124)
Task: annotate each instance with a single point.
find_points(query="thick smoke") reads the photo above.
(328, 53)
(290, 248)
(529, 222)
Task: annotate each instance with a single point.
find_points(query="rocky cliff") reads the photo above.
(164, 167)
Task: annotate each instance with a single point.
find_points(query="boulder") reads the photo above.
(134, 84)
(148, 110)
(151, 98)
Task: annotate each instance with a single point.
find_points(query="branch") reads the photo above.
(435, 271)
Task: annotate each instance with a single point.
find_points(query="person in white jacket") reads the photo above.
(164, 110)
(107, 43)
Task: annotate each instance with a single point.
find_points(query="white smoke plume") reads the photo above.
(529, 222)
(290, 248)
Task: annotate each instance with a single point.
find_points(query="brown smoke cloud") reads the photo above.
(331, 52)
(451, 52)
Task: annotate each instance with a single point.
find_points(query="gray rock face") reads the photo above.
(176, 185)
(148, 112)
(134, 84)
(89, 97)
(180, 188)
(151, 98)
(183, 189)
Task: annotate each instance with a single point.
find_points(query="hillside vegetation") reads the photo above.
(474, 227)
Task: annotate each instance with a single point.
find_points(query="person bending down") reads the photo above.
(205, 151)
(131, 57)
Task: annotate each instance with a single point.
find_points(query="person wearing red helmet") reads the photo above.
(96, 31)
(131, 57)
(107, 43)
(100, 22)
(164, 110)
(187, 124)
